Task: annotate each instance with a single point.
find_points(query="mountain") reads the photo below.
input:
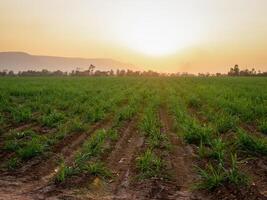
(17, 61)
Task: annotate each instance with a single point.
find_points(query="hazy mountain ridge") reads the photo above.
(23, 61)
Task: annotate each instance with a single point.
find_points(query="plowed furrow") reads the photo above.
(179, 159)
(37, 176)
(120, 161)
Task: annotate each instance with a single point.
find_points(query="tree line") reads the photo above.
(92, 71)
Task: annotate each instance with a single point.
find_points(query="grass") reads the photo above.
(234, 175)
(26, 144)
(225, 123)
(98, 169)
(149, 164)
(215, 176)
(251, 144)
(218, 149)
(211, 177)
(263, 126)
(61, 107)
(52, 119)
(92, 148)
(194, 134)
(21, 115)
(64, 172)
(32, 148)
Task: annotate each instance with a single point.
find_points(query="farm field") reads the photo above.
(133, 138)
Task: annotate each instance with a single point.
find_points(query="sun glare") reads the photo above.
(158, 32)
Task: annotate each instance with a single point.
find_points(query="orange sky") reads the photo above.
(163, 35)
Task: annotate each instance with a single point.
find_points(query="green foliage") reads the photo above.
(11, 145)
(26, 144)
(194, 102)
(13, 163)
(21, 115)
(95, 114)
(211, 177)
(126, 113)
(251, 144)
(225, 123)
(234, 175)
(52, 119)
(149, 164)
(77, 126)
(194, 134)
(202, 151)
(31, 148)
(218, 149)
(1, 119)
(263, 126)
(113, 134)
(64, 172)
(93, 147)
(98, 169)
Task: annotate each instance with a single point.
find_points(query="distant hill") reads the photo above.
(23, 61)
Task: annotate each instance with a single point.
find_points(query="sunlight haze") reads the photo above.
(166, 36)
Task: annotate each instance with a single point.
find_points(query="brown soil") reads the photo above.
(254, 167)
(121, 161)
(26, 182)
(180, 162)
